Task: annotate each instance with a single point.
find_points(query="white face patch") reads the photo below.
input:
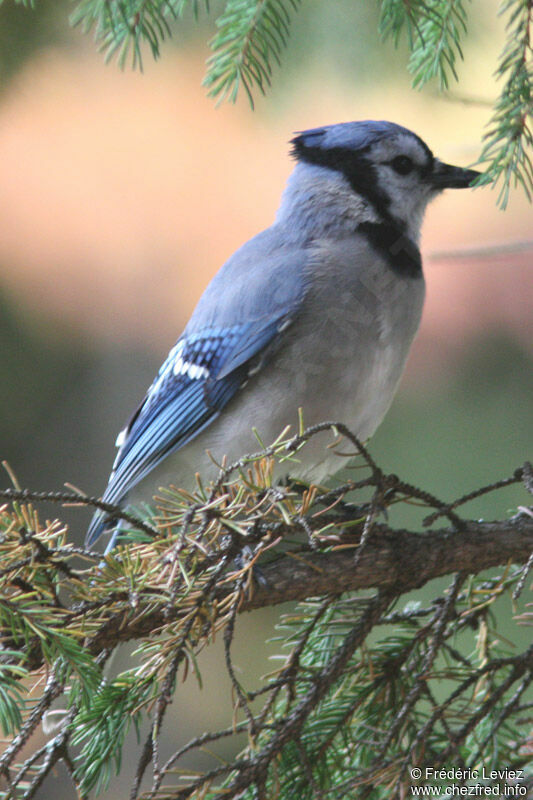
(402, 144)
(408, 193)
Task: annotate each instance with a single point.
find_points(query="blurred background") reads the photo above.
(121, 194)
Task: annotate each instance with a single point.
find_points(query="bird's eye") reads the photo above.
(402, 165)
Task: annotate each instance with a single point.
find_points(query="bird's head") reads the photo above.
(386, 164)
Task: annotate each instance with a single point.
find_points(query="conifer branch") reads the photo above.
(508, 148)
(62, 618)
(252, 35)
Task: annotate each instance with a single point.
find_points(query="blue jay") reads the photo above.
(317, 312)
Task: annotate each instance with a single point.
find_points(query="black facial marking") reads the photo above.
(356, 168)
(391, 242)
(387, 237)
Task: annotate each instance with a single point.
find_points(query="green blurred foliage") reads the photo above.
(344, 35)
(24, 31)
(38, 364)
(469, 429)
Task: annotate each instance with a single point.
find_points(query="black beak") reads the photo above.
(444, 176)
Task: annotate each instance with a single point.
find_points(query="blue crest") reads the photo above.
(349, 135)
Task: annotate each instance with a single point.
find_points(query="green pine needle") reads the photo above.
(251, 37)
(12, 691)
(508, 143)
(434, 31)
(103, 725)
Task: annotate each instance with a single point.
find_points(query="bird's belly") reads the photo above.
(353, 391)
(344, 390)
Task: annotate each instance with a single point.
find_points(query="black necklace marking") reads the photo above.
(389, 236)
(398, 249)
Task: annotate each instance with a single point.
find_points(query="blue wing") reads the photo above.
(231, 333)
(200, 376)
